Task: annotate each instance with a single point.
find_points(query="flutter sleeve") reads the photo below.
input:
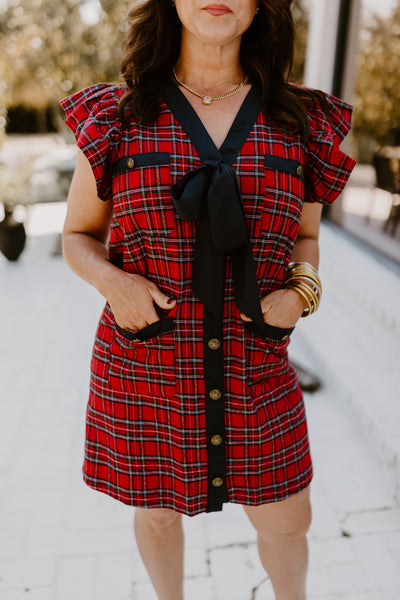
(328, 169)
(92, 115)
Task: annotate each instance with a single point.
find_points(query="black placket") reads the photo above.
(217, 492)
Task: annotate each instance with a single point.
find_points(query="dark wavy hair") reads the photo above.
(152, 46)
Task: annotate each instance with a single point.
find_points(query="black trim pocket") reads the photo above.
(150, 331)
(142, 363)
(286, 165)
(278, 334)
(147, 159)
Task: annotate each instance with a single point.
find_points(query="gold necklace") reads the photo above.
(209, 99)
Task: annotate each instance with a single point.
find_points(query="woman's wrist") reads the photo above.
(109, 279)
(296, 299)
(282, 308)
(303, 279)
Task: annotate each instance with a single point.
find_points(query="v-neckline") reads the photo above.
(196, 131)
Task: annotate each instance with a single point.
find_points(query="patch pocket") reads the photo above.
(284, 195)
(141, 184)
(143, 362)
(266, 351)
(285, 165)
(269, 332)
(146, 333)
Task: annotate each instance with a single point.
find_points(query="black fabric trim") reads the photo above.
(268, 331)
(215, 420)
(242, 126)
(150, 331)
(147, 159)
(198, 134)
(287, 165)
(212, 316)
(117, 260)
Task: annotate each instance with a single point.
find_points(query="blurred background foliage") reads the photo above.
(377, 100)
(49, 48)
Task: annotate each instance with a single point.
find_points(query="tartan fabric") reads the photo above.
(146, 429)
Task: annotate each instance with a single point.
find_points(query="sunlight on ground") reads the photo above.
(370, 202)
(42, 219)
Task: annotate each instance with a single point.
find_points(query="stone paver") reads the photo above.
(61, 540)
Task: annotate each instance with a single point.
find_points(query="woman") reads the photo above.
(213, 170)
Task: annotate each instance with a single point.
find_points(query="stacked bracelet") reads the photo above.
(303, 278)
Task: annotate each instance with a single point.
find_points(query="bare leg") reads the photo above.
(159, 536)
(282, 543)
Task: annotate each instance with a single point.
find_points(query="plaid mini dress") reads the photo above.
(200, 408)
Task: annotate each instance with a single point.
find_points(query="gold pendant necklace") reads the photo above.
(209, 99)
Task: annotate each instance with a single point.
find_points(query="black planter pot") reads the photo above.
(12, 236)
(308, 381)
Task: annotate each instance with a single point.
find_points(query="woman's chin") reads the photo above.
(215, 35)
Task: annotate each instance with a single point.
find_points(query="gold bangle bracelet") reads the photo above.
(304, 292)
(303, 269)
(303, 278)
(306, 281)
(308, 309)
(311, 297)
(303, 265)
(305, 273)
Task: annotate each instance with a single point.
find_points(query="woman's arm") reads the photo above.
(284, 307)
(85, 237)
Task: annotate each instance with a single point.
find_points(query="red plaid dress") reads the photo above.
(198, 409)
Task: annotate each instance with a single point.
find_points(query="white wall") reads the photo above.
(321, 46)
(320, 59)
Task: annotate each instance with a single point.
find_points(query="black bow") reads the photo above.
(211, 195)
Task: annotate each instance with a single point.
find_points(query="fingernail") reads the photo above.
(170, 300)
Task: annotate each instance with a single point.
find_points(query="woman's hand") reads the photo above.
(281, 308)
(85, 235)
(132, 297)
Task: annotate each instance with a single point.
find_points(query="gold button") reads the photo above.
(216, 440)
(217, 481)
(136, 340)
(285, 337)
(299, 170)
(130, 163)
(215, 394)
(214, 344)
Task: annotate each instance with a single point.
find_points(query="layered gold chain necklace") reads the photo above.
(209, 99)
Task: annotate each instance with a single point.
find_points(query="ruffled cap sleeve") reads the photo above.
(328, 168)
(92, 116)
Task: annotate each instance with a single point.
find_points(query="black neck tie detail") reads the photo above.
(210, 195)
(213, 188)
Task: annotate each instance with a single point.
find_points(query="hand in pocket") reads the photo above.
(281, 308)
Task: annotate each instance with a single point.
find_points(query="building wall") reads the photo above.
(325, 34)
